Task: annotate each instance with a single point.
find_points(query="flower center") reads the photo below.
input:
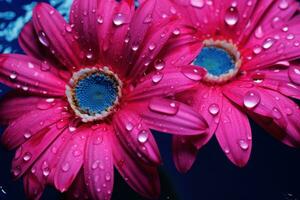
(94, 93)
(221, 59)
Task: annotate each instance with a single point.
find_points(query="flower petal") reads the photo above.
(30, 124)
(83, 18)
(136, 137)
(234, 134)
(207, 101)
(32, 187)
(78, 190)
(166, 82)
(31, 150)
(267, 104)
(170, 116)
(23, 72)
(141, 178)
(71, 160)
(53, 33)
(98, 164)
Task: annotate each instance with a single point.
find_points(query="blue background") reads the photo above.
(273, 172)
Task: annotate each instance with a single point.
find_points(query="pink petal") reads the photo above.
(45, 166)
(29, 42)
(184, 152)
(30, 124)
(78, 190)
(136, 137)
(158, 36)
(139, 26)
(15, 104)
(53, 32)
(268, 104)
(281, 79)
(83, 17)
(170, 116)
(28, 152)
(167, 82)
(71, 160)
(141, 178)
(234, 134)
(208, 102)
(25, 73)
(32, 187)
(98, 164)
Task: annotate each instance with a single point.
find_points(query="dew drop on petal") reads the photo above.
(65, 167)
(214, 109)
(119, 19)
(143, 136)
(157, 77)
(43, 38)
(13, 76)
(27, 157)
(268, 43)
(294, 74)
(243, 144)
(276, 113)
(251, 99)
(231, 16)
(283, 4)
(197, 3)
(192, 73)
(168, 109)
(129, 126)
(159, 64)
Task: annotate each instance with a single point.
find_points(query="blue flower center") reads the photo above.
(96, 93)
(216, 60)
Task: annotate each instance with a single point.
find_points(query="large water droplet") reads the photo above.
(43, 38)
(231, 16)
(243, 144)
(197, 3)
(159, 64)
(294, 74)
(27, 157)
(214, 109)
(251, 99)
(157, 77)
(163, 107)
(129, 126)
(268, 43)
(283, 4)
(143, 136)
(192, 73)
(119, 19)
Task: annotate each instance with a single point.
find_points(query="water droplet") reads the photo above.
(294, 74)
(276, 113)
(43, 38)
(251, 99)
(107, 177)
(192, 73)
(65, 167)
(231, 16)
(283, 4)
(197, 3)
(119, 19)
(13, 76)
(27, 135)
(290, 36)
(72, 129)
(76, 153)
(100, 20)
(243, 144)
(159, 64)
(143, 136)
(98, 140)
(89, 55)
(135, 46)
(148, 19)
(129, 126)
(214, 109)
(259, 32)
(176, 31)
(95, 164)
(163, 107)
(68, 28)
(268, 43)
(152, 46)
(157, 77)
(27, 157)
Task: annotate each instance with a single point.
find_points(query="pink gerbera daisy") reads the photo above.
(80, 90)
(249, 49)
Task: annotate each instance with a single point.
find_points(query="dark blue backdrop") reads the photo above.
(273, 172)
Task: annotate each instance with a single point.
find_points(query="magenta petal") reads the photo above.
(30, 124)
(234, 134)
(167, 82)
(32, 187)
(268, 104)
(53, 32)
(25, 73)
(171, 116)
(184, 152)
(78, 190)
(83, 17)
(141, 178)
(33, 148)
(98, 164)
(136, 137)
(71, 160)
